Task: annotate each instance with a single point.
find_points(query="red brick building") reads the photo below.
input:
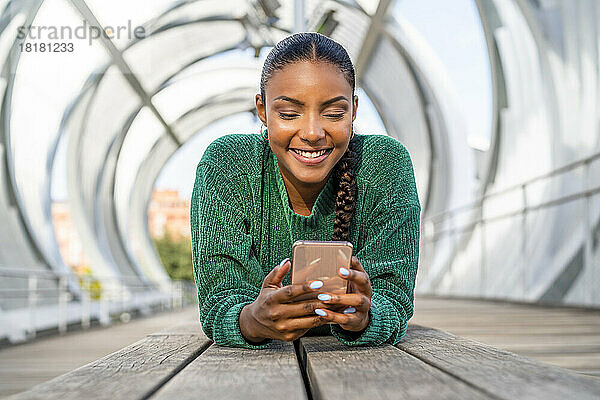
(169, 212)
(69, 244)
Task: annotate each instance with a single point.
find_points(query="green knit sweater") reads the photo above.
(242, 227)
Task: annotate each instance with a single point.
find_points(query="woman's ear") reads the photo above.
(261, 110)
(354, 107)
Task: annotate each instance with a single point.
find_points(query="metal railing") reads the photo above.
(93, 291)
(432, 235)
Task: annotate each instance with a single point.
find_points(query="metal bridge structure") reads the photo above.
(517, 221)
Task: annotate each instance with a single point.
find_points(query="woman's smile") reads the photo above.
(310, 157)
(309, 114)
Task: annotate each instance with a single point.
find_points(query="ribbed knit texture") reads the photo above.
(240, 233)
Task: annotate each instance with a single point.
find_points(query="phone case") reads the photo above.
(313, 259)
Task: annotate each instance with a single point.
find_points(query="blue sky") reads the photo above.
(454, 31)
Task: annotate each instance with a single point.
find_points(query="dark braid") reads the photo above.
(315, 47)
(346, 194)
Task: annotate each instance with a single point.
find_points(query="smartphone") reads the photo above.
(313, 259)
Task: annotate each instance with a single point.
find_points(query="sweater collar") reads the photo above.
(324, 205)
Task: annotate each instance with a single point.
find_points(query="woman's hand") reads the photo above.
(275, 314)
(355, 316)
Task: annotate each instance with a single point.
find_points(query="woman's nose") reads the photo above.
(313, 131)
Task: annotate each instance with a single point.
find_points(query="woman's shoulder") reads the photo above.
(382, 155)
(385, 163)
(235, 153)
(377, 143)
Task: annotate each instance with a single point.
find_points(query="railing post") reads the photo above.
(523, 272)
(85, 302)
(103, 311)
(32, 298)
(482, 274)
(181, 293)
(62, 304)
(173, 294)
(122, 292)
(450, 239)
(588, 268)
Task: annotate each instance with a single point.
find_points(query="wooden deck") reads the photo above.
(25, 365)
(565, 337)
(182, 363)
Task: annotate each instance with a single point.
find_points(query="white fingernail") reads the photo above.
(344, 271)
(349, 310)
(316, 284)
(320, 312)
(283, 262)
(324, 297)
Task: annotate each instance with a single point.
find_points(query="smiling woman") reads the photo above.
(314, 115)
(309, 177)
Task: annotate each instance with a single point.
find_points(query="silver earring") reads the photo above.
(262, 132)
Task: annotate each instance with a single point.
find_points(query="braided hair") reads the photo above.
(315, 47)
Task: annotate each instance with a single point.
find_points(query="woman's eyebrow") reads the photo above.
(300, 103)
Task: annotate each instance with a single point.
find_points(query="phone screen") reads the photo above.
(321, 260)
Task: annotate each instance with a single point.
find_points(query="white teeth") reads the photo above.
(310, 154)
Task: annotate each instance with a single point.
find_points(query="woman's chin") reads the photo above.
(310, 177)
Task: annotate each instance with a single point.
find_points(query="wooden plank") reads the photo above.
(498, 339)
(565, 337)
(452, 302)
(185, 328)
(497, 372)
(571, 361)
(133, 372)
(544, 349)
(461, 330)
(592, 372)
(336, 371)
(501, 307)
(473, 311)
(508, 320)
(237, 373)
(25, 365)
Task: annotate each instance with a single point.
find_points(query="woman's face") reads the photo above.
(309, 106)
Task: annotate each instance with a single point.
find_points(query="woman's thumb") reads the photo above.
(278, 273)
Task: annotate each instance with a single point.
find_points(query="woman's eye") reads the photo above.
(290, 116)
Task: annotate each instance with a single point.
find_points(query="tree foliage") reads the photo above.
(176, 256)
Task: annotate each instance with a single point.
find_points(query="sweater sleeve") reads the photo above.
(226, 270)
(390, 257)
(395, 234)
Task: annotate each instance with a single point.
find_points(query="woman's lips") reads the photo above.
(310, 161)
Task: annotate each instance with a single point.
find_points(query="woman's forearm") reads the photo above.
(248, 325)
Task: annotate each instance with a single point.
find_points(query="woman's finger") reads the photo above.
(360, 279)
(297, 309)
(276, 275)
(356, 300)
(356, 264)
(339, 318)
(295, 324)
(350, 319)
(288, 293)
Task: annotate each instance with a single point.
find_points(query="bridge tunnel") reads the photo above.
(515, 219)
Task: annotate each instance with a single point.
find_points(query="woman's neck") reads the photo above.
(302, 197)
